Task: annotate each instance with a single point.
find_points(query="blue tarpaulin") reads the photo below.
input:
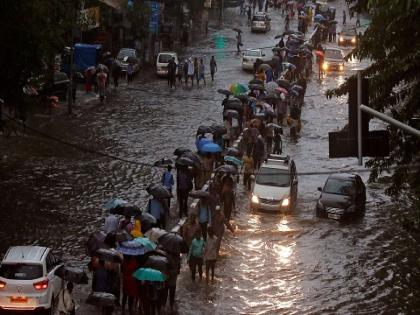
(85, 56)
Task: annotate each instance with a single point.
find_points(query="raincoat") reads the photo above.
(136, 231)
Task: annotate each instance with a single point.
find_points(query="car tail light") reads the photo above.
(42, 285)
(2, 285)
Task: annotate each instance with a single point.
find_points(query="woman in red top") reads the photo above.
(129, 266)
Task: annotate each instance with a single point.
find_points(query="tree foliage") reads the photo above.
(392, 43)
(32, 32)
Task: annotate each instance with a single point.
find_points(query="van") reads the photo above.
(162, 61)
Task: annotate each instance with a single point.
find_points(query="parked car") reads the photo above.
(59, 86)
(333, 60)
(126, 56)
(162, 61)
(276, 185)
(343, 195)
(249, 57)
(260, 22)
(347, 37)
(28, 281)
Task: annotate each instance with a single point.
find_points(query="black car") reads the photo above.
(343, 195)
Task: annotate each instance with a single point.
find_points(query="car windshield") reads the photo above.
(126, 53)
(333, 54)
(339, 187)
(258, 18)
(21, 271)
(273, 177)
(252, 54)
(164, 58)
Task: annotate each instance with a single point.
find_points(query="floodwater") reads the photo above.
(52, 194)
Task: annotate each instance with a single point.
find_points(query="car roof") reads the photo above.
(331, 48)
(254, 50)
(25, 254)
(343, 176)
(130, 49)
(167, 53)
(260, 13)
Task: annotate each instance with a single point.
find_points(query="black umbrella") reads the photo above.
(228, 169)
(126, 210)
(275, 127)
(181, 151)
(184, 161)
(283, 83)
(101, 299)
(224, 92)
(264, 66)
(72, 274)
(256, 81)
(234, 106)
(108, 255)
(271, 97)
(278, 36)
(158, 191)
(95, 241)
(242, 97)
(218, 130)
(237, 30)
(173, 243)
(163, 162)
(199, 194)
(147, 221)
(158, 262)
(204, 129)
(194, 157)
(256, 87)
(232, 152)
(231, 113)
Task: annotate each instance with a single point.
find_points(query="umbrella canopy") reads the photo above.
(101, 299)
(319, 18)
(72, 274)
(123, 236)
(283, 83)
(234, 106)
(233, 160)
(259, 87)
(281, 90)
(218, 130)
(184, 161)
(109, 255)
(194, 157)
(156, 262)
(147, 221)
(163, 162)
(126, 210)
(271, 97)
(211, 148)
(298, 88)
(199, 194)
(228, 169)
(148, 244)
(95, 241)
(173, 243)
(204, 129)
(113, 203)
(238, 88)
(154, 234)
(242, 97)
(278, 49)
(131, 248)
(289, 65)
(181, 151)
(149, 274)
(270, 87)
(264, 67)
(224, 92)
(319, 53)
(237, 30)
(102, 67)
(231, 151)
(275, 127)
(231, 113)
(256, 81)
(158, 191)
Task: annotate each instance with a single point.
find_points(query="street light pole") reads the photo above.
(359, 118)
(70, 94)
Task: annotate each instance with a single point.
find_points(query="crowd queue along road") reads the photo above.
(231, 221)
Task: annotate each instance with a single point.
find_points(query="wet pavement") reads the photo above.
(53, 194)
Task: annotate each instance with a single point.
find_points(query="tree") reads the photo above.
(32, 32)
(392, 43)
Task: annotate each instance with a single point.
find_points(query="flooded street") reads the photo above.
(53, 195)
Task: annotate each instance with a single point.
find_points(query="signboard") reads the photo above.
(89, 18)
(154, 17)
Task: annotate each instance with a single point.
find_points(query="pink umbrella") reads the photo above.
(281, 90)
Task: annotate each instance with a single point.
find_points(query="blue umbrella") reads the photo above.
(233, 160)
(131, 248)
(319, 18)
(148, 244)
(211, 148)
(114, 203)
(201, 142)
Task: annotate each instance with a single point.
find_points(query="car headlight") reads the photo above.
(341, 39)
(255, 199)
(325, 65)
(341, 67)
(353, 40)
(285, 202)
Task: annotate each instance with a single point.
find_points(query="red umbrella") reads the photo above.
(319, 53)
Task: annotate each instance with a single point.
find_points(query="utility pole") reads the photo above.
(70, 93)
(222, 4)
(359, 118)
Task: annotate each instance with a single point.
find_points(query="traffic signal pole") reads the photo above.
(359, 118)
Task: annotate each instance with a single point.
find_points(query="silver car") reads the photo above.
(260, 22)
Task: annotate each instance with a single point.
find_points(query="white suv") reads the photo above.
(275, 187)
(28, 281)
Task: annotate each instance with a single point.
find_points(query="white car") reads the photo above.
(28, 281)
(260, 22)
(249, 57)
(333, 60)
(162, 61)
(275, 186)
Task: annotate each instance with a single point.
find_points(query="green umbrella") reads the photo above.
(149, 274)
(148, 244)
